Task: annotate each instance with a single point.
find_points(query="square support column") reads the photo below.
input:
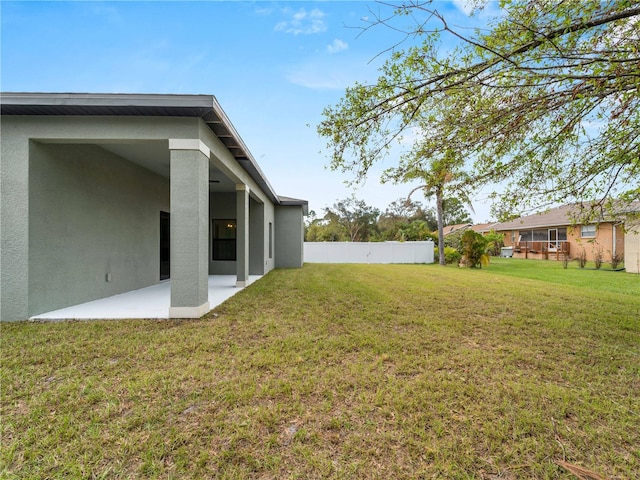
(242, 235)
(14, 233)
(189, 228)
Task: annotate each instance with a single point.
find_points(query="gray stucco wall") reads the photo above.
(223, 206)
(289, 236)
(256, 238)
(14, 223)
(91, 214)
(269, 217)
(189, 232)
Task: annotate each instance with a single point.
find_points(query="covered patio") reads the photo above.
(149, 302)
(105, 194)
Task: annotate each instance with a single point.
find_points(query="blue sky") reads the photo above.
(273, 66)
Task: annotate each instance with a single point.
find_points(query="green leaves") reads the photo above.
(547, 98)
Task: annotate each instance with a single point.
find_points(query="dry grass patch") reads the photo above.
(336, 371)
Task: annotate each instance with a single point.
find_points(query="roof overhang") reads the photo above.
(205, 107)
(288, 201)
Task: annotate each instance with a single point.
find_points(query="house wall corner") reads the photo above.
(289, 236)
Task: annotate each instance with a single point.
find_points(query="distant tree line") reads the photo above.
(353, 220)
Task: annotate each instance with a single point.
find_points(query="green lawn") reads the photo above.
(344, 372)
(552, 271)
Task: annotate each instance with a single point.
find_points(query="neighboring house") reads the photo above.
(107, 193)
(449, 229)
(481, 228)
(553, 235)
(484, 228)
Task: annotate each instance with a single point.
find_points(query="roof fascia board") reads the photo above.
(106, 99)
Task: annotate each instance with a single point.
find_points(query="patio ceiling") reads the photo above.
(155, 156)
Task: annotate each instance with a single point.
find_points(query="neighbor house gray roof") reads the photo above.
(205, 107)
(559, 216)
(483, 227)
(454, 228)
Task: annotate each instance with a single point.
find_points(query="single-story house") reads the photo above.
(449, 229)
(107, 193)
(484, 228)
(553, 234)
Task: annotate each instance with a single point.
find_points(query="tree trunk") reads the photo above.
(440, 210)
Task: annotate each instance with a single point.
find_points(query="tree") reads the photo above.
(417, 230)
(454, 212)
(323, 230)
(545, 98)
(495, 242)
(501, 213)
(437, 175)
(356, 217)
(404, 209)
(393, 223)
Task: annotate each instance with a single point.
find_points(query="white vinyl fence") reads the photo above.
(368, 252)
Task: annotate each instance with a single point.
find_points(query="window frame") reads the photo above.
(587, 234)
(216, 242)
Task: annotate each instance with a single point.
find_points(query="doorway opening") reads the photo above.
(165, 246)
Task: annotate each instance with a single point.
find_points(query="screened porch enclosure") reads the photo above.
(548, 242)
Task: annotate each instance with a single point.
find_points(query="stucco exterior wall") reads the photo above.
(222, 206)
(257, 264)
(289, 237)
(94, 225)
(268, 237)
(14, 223)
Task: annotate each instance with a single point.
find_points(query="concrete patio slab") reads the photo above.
(149, 302)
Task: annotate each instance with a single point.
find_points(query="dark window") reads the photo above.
(540, 235)
(270, 240)
(562, 234)
(526, 235)
(224, 240)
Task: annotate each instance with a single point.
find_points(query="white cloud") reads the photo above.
(266, 11)
(303, 22)
(337, 46)
(318, 77)
(331, 73)
(465, 6)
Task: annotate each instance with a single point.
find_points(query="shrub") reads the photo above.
(451, 255)
(474, 248)
(615, 260)
(582, 258)
(495, 243)
(418, 230)
(453, 240)
(598, 256)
